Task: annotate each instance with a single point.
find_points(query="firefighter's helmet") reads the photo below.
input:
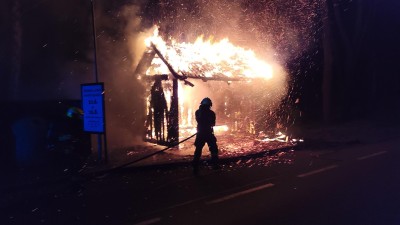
(206, 101)
(74, 112)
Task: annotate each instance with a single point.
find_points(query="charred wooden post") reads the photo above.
(159, 110)
(173, 126)
(155, 126)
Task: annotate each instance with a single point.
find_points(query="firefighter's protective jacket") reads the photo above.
(205, 118)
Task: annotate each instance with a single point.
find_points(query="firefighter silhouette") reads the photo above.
(205, 118)
(159, 106)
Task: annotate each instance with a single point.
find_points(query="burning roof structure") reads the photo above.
(244, 88)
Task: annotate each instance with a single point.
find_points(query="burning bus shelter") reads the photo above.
(245, 89)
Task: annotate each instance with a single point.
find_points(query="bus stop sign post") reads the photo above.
(94, 113)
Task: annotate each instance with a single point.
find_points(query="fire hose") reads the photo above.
(145, 157)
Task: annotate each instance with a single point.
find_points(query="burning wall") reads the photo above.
(276, 30)
(245, 89)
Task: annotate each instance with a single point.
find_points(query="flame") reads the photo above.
(208, 59)
(221, 129)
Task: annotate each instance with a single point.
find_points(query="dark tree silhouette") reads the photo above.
(353, 82)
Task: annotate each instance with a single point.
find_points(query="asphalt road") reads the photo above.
(354, 184)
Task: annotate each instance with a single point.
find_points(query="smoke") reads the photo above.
(118, 30)
(284, 33)
(135, 34)
(276, 31)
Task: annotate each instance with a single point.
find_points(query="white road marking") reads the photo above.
(317, 171)
(371, 155)
(240, 193)
(150, 221)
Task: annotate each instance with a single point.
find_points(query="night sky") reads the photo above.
(47, 47)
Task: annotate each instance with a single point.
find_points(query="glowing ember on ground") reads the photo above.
(238, 144)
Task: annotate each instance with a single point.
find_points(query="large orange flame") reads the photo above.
(208, 59)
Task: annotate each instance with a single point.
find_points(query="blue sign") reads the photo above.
(93, 107)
